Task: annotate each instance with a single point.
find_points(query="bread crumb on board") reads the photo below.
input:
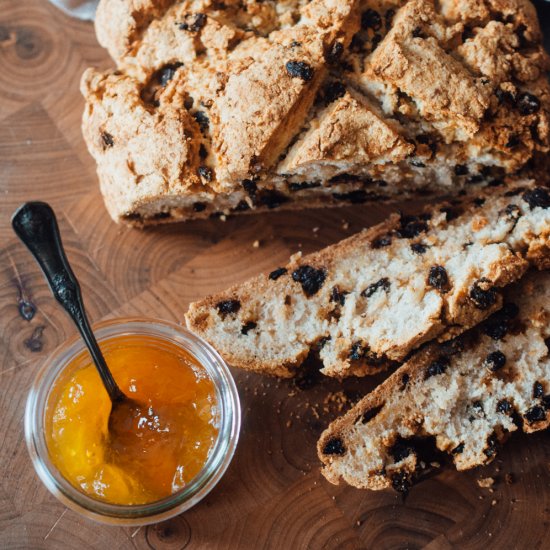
(486, 482)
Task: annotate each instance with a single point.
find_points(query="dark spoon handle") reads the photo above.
(35, 224)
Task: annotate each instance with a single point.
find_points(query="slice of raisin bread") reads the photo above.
(234, 106)
(463, 397)
(371, 299)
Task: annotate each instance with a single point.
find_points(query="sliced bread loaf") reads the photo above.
(238, 106)
(371, 299)
(463, 397)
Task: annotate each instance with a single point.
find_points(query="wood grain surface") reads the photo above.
(273, 495)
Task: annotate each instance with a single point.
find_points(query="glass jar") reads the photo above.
(81, 9)
(143, 514)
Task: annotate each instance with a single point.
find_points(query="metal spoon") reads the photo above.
(36, 225)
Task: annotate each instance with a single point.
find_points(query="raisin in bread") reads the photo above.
(221, 107)
(464, 397)
(371, 299)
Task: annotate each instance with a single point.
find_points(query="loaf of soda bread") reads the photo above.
(367, 302)
(460, 399)
(235, 106)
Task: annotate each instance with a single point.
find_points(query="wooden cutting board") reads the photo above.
(272, 495)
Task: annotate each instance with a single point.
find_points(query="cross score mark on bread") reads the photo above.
(368, 301)
(222, 107)
(462, 398)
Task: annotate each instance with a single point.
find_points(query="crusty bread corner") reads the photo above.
(365, 303)
(217, 108)
(461, 399)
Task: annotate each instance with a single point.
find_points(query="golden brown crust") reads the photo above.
(262, 107)
(348, 130)
(412, 59)
(119, 24)
(160, 144)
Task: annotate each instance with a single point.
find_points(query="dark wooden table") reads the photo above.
(273, 495)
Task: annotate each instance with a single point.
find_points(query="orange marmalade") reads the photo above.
(165, 447)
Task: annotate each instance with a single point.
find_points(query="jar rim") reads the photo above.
(139, 514)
